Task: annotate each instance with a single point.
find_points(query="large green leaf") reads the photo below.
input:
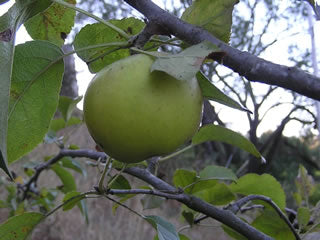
(218, 194)
(212, 132)
(34, 94)
(165, 230)
(53, 24)
(271, 224)
(211, 92)
(99, 33)
(19, 227)
(213, 15)
(218, 173)
(183, 178)
(186, 64)
(265, 185)
(9, 23)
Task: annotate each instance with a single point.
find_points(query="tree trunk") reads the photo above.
(69, 83)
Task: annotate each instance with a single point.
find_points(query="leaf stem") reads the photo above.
(71, 199)
(105, 170)
(118, 174)
(175, 153)
(125, 206)
(113, 27)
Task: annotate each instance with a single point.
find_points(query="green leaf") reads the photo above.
(53, 24)
(73, 164)
(218, 172)
(188, 216)
(19, 227)
(9, 23)
(232, 233)
(183, 178)
(264, 184)
(36, 82)
(303, 216)
(84, 209)
(186, 64)
(98, 33)
(211, 92)
(214, 16)
(165, 230)
(304, 183)
(183, 237)
(67, 105)
(151, 201)
(315, 196)
(59, 123)
(212, 132)
(71, 199)
(271, 224)
(218, 194)
(200, 185)
(66, 178)
(120, 183)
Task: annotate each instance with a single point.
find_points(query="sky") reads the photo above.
(241, 124)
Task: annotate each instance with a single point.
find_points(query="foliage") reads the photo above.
(30, 96)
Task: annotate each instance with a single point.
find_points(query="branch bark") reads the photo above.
(253, 68)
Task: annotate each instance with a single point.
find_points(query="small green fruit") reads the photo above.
(134, 114)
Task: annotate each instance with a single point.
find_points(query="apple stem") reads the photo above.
(105, 171)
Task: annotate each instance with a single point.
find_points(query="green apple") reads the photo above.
(133, 114)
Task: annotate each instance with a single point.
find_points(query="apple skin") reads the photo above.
(133, 114)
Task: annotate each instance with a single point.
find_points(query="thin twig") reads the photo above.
(235, 207)
(125, 206)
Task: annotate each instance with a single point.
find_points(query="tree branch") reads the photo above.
(162, 189)
(250, 66)
(27, 187)
(224, 216)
